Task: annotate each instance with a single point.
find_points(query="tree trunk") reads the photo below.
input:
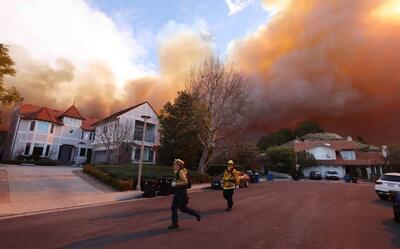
(203, 160)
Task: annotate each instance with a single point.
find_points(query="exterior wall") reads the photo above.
(323, 169)
(133, 118)
(69, 134)
(323, 153)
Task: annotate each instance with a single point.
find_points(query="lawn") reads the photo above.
(130, 171)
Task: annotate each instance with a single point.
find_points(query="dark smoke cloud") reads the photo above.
(332, 61)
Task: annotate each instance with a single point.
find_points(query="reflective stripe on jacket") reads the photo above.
(230, 179)
(181, 180)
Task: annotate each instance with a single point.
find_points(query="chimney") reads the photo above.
(384, 151)
(349, 138)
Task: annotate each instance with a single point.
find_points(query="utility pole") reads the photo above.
(145, 118)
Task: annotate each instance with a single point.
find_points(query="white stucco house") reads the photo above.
(41, 132)
(343, 156)
(130, 122)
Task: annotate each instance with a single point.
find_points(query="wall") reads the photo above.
(323, 153)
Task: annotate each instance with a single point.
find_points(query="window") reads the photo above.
(90, 136)
(27, 148)
(82, 152)
(138, 133)
(47, 150)
(32, 127)
(43, 127)
(71, 130)
(150, 156)
(327, 155)
(137, 154)
(52, 129)
(391, 178)
(82, 135)
(348, 155)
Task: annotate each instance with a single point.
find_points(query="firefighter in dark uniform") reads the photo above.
(181, 198)
(230, 181)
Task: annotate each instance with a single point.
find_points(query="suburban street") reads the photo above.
(268, 215)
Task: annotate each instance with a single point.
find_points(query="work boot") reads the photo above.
(198, 216)
(173, 226)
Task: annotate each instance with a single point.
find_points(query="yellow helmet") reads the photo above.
(231, 162)
(179, 161)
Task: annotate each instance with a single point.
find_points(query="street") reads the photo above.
(267, 215)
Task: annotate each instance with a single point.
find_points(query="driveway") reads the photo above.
(25, 189)
(268, 215)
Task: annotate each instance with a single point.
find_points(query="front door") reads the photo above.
(88, 156)
(65, 153)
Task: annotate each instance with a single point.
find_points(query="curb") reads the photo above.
(134, 198)
(137, 197)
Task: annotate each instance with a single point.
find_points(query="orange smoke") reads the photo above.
(94, 88)
(336, 62)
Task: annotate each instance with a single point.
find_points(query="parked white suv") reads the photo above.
(386, 183)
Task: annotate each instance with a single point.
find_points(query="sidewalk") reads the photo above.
(11, 210)
(24, 208)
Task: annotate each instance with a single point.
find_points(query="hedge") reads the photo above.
(129, 171)
(120, 184)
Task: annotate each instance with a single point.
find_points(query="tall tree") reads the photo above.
(116, 136)
(180, 131)
(281, 158)
(275, 138)
(223, 93)
(307, 127)
(7, 95)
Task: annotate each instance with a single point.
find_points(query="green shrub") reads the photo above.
(122, 185)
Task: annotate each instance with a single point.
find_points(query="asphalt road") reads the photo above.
(270, 215)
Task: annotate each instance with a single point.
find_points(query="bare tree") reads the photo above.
(223, 94)
(115, 135)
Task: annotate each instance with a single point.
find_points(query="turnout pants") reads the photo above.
(180, 202)
(228, 196)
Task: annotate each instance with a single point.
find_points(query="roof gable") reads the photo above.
(119, 113)
(72, 112)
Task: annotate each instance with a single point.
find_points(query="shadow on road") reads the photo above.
(383, 203)
(204, 214)
(130, 214)
(394, 229)
(107, 240)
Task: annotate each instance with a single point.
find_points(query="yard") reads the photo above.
(123, 177)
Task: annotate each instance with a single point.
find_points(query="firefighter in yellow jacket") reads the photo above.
(230, 180)
(181, 199)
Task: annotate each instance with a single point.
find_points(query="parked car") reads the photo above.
(216, 182)
(332, 175)
(387, 183)
(315, 175)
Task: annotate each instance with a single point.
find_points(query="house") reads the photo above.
(119, 136)
(347, 157)
(41, 132)
(4, 128)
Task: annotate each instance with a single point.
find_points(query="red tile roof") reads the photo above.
(333, 144)
(4, 127)
(72, 112)
(87, 124)
(28, 111)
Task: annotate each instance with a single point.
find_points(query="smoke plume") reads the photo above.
(336, 62)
